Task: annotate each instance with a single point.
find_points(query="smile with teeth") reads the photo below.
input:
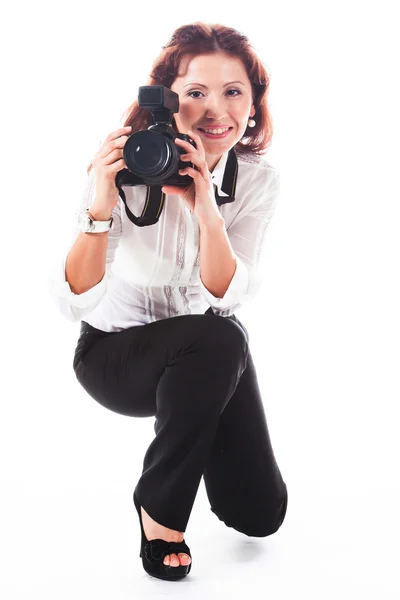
(214, 130)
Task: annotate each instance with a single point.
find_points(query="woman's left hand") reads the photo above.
(199, 195)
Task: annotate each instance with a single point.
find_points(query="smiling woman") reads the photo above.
(223, 103)
(159, 336)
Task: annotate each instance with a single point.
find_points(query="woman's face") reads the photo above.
(214, 92)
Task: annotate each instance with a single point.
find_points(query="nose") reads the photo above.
(214, 108)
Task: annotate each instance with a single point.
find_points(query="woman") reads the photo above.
(147, 346)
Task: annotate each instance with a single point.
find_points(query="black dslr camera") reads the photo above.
(152, 157)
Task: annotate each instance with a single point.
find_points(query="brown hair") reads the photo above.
(201, 38)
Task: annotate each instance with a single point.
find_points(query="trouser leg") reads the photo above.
(191, 395)
(242, 479)
(183, 370)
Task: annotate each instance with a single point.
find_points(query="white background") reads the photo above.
(324, 329)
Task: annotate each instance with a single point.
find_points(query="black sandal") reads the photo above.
(153, 553)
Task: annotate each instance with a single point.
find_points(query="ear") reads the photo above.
(252, 111)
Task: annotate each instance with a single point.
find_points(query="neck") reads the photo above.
(212, 161)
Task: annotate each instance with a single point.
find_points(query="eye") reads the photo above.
(198, 92)
(194, 92)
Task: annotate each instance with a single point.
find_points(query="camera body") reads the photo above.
(151, 155)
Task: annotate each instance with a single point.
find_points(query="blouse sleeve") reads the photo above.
(75, 306)
(247, 235)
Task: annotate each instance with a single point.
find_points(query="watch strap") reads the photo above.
(97, 226)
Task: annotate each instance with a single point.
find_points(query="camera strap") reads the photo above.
(229, 180)
(153, 206)
(155, 197)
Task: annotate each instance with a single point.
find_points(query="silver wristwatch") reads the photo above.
(87, 224)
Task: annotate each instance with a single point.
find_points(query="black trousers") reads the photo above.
(195, 374)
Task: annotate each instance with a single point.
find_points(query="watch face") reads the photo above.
(84, 222)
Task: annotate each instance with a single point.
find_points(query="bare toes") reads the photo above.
(184, 558)
(173, 560)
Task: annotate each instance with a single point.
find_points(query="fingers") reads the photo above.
(111, 152)
(113, 156)
(117, 133)
(170, 189)
(192, 172)
(184, 144)
(196, 160)
(197, 140)
(119, 142)
(115, 139)
(202, 167)
(195, 156)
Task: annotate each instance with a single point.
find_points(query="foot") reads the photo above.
(155, 531)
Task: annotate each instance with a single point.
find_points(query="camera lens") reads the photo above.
(147, 153)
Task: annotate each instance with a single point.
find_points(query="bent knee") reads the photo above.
(259, 529)
(264, 526)
(271, 525)
(223, 331)
(268, 528)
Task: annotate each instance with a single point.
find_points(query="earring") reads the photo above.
(251, 123)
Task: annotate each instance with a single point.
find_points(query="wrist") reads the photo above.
(213, 221)
(98, 213)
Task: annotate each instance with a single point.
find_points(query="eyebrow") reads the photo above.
(204, 86)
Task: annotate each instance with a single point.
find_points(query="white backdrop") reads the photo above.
(324, 329)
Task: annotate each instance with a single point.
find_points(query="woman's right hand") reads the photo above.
(106, 164)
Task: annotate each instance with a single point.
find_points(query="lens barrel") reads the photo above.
(149, 154)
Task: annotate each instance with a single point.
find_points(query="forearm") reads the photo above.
(86, 260)
(217, 258)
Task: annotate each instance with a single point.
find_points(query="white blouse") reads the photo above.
(153, 272)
